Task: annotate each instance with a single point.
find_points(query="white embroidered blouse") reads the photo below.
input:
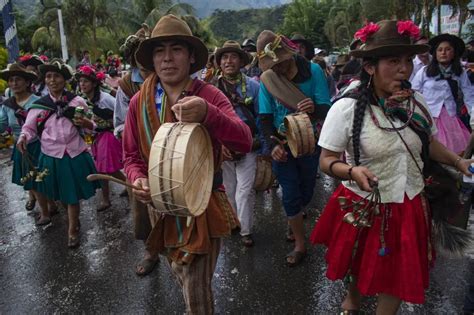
(382, 152)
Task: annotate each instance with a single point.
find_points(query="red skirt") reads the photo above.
(404, 271)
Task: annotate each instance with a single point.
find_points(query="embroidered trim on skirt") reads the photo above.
(107, 152)
(67, 179)
(404, 271)
(21, 166)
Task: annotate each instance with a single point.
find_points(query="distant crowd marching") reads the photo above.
(195, 134)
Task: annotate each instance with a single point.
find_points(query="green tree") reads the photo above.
(3, 65)
(246, 23)
(343, 20)
(307, 17)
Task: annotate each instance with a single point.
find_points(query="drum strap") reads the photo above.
(282, 89)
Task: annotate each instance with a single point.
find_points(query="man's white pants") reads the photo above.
(239, 177)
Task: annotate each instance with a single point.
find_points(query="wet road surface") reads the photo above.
(38, 274)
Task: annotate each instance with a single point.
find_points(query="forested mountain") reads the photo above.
(204, 8)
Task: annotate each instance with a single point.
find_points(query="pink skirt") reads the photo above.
(403, 272)
(451, 132)
(107, 152)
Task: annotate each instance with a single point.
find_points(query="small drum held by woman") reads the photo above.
(181, 169)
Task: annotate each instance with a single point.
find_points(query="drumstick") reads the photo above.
(281, 142)
(93, 177)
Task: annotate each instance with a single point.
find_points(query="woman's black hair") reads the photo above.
(433, 68)
(352, 67)
(363, 99)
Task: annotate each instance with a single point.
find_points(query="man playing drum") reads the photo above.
(190, 244)
(287, 78)
(239, 169)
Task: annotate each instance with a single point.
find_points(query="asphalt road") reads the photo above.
(38, 274)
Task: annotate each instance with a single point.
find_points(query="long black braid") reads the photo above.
(364, 95)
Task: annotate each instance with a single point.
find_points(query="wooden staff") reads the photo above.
(94, 177)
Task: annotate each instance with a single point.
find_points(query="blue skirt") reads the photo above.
(67, 179)
(21, 166)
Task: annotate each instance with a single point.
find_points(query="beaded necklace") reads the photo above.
(408, 108)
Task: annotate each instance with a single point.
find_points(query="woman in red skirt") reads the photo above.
(377, 224)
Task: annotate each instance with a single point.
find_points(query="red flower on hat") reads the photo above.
(366, 31)
(87, 70)
(100, 76)
(44, 58)
(25, 57)
(408, 28)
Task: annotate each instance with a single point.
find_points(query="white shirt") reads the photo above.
(417, 65)
(120, 110)
(437, 92)
(106, 101)
(382, 152)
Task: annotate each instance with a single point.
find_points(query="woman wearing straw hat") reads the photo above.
(169, 94)
(447, 91)
(383, 247)
(13, 113)
(58, 121)
(106, 149)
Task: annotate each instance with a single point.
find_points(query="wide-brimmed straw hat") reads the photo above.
(456, 42)
(171, 27)
(57, 65)
(18, 69)
(273, 49)
(89, 73)
(232, 46)
(388, 38)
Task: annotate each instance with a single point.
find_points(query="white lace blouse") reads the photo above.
(382, 152)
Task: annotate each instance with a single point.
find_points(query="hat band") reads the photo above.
(389, 41)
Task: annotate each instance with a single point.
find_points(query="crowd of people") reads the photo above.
(385, 115)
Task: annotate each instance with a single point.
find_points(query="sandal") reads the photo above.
(247, 240)
(43, 221)
(297, 258)
(30, 204)
(148, 265)
(73, 242)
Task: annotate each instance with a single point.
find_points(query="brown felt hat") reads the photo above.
(273, 49)
(17, 69)
(232, 46)
(387, 41)
(170, 27)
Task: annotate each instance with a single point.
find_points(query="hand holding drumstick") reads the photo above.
(141, 187)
